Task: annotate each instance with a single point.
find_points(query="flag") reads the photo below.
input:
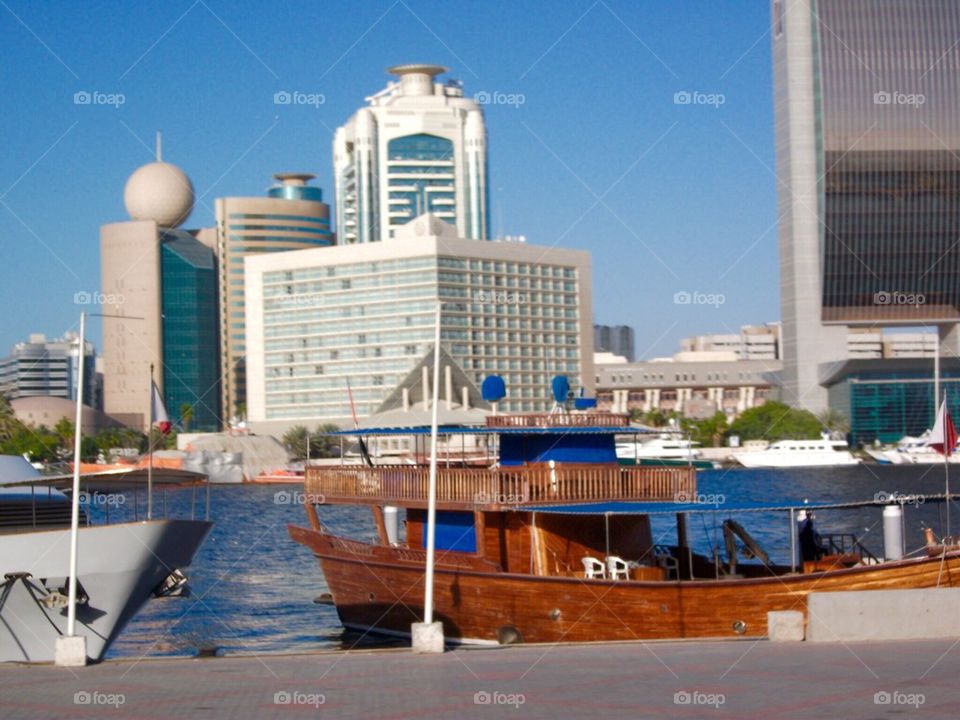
(943, 438)
(158, 412)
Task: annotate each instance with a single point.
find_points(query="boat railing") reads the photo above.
(577, 419)
(499, 487)
(846, 544)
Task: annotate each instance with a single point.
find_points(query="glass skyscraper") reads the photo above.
(191, 367)
(868, 158)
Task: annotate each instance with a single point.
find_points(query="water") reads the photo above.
(253, 588)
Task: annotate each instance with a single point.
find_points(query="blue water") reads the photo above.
(252, 588)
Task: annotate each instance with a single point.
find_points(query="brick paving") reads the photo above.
(730, 679)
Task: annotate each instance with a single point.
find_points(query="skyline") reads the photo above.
(669, 197)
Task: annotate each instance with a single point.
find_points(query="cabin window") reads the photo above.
(455, 531)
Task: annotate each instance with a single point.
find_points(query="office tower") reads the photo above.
(292, 216)
(418, 146)
(868, 165)
(614, 339)
(42, 367)
(160, 297)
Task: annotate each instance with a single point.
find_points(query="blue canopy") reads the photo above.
(484, 430)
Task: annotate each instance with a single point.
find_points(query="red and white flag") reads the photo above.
(943, 438)
(158, 411)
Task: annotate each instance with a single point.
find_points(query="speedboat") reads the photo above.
(823, 452)
(119, 566)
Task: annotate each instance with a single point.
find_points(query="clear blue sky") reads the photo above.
(668, 197)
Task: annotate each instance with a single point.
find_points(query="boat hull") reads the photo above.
(380, 588)
(118, 567)
(762, 459)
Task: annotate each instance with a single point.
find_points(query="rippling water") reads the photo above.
(253, 588)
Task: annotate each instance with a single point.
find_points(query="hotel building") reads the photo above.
(364, 314)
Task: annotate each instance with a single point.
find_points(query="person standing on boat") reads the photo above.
(811, 548)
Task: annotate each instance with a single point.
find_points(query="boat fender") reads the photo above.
(509, 635)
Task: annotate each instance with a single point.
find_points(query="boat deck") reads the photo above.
(742, 679)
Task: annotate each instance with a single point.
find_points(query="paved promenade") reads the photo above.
(742, 679)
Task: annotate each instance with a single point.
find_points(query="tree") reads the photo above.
(186, 415)
(324, 445)
(64, 430)
(295, 440)
(835, 421)
(708, 432)
(655, 418)
(776, 421)
(9, 425)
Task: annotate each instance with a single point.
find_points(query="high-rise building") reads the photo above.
(292, 216)
(164, 280)
(51, 368)
(753, 342)
(419, 146)
(365, 315)
(616, 339)
(868, 163)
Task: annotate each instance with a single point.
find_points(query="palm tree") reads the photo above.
(9, 425)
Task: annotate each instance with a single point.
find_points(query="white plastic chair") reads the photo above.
(593, 568)
(617, 568)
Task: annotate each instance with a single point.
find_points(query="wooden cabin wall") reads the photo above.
(566, 539)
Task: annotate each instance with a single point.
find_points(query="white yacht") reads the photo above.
(799, 453)
(911, 451)
(119, 566)
(666, 448)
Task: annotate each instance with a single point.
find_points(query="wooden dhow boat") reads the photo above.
(553, 542)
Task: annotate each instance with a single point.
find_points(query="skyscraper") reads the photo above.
(42, 367)
(292, 216)
(419, 146)
(616, 339)
(868, 164)
(165, 281)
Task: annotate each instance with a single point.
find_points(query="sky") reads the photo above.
(640, 131)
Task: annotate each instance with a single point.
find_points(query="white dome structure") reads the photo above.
(161, 192)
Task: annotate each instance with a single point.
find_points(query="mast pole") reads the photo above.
(150, 452)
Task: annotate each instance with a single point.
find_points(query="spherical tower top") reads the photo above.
(160, 192)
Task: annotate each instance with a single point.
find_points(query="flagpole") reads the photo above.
(947, 451)
(150, 453)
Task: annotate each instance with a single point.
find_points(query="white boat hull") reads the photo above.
(118, 567)
(763, 459)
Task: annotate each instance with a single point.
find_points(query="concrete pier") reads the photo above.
(728, 679)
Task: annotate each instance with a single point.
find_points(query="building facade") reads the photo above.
(753, 342)
(364, 315)
(292, 216)
(419, 146)
(160, 301)
(867, 138)
(617, 339)
(887, 399)
(51, 368)
(692, 389)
